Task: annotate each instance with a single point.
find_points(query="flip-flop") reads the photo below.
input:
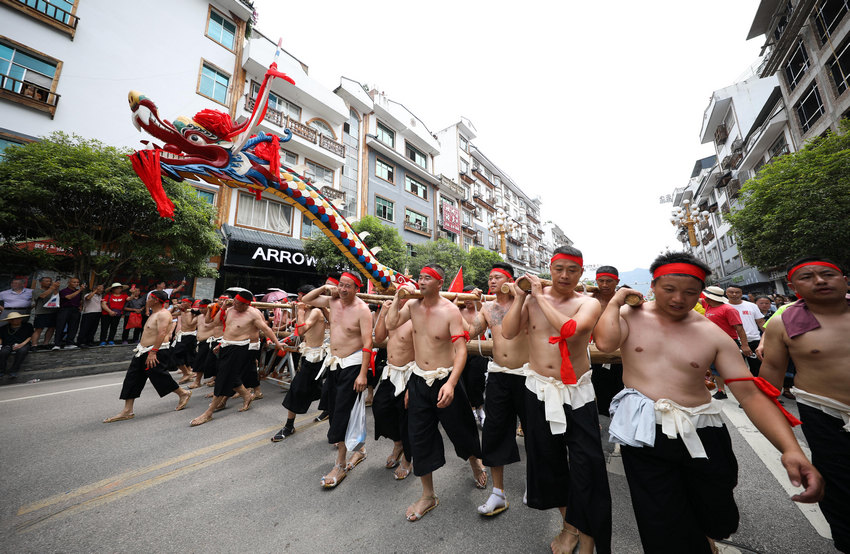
(403, 475)
(494, 506)
(246, 407)
(113, 419)
(416, 516)
(393, 463)
(479, 484)
(351, 465)
(183, 401)
(332, 484)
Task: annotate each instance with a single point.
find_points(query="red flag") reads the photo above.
(457, 283)
(370, 287)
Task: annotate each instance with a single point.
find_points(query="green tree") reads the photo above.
(479, 262)
(798, 204)
(441, 251)
(86, 197)
(330, 258)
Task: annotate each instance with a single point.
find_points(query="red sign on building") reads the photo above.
(451, 218)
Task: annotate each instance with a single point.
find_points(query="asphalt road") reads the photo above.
(153, 484)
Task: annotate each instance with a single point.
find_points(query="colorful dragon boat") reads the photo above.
(210, 147)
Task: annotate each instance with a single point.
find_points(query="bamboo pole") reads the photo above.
(404, 293)
(596, 356)
(525, 284)
(271, 305)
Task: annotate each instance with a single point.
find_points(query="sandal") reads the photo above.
(476, 477)
(113, 419)
(393, 462)
(416, 516)
(401, 473)
(332, 483)
(496, 504)
(355, 462)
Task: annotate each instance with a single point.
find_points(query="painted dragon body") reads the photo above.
(209, 147)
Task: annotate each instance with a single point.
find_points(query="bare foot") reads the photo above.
(123, 416)
(185, 379)
(565, 542)
(246, 402)
(200, 420)
(211, 382)
(402, 471)
(194, 385)
(393, 459)
(184, 399)
(257, 394)
(418, 509)
(209, 395)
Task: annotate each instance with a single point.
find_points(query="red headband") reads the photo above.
(332, 281)
(503, 272)
(431, 272)
(681, 268)
(611, 275)
(352, 277)
(242, 299)
(824, 264)
(560, 256)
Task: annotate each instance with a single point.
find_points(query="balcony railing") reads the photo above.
(55, 13)
(332, 193)
(331, 146)
(307, 133)
(417, 227)
(302, 130)
(28, 92)
(721, 134)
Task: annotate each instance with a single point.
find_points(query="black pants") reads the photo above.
(125, 333)
(831, 456)
(108, 327)
(606, 384)
(67, 322)
(423, 415)
(341, 397)
(569, 469)
(678, 500)
(474, 377)
(503, 404)
(88, 326)
(137, 375)
(391, 416)
(185, 350)
(304, 389)
(19, 356)
(754, 363)
(231, 365)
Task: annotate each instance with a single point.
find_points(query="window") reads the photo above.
(466, 218)
(415, 220)
(417, 157)
(60, 10)
(410, 250)
(220, 30)
(810, 108)
(289, 158)
(384, 209)
(26, 74)
(205, 195)
(415, 187)
(309, 229)
(384, 170)
(264, 214)
(779, 147)
(828, 14)
(491, 242)
(321, 174)
(386, 135)
(797, 66)
(278, 103)
(464, 167)
(839, 67)
(464, 144)
(6, 143)
(348, 179)
(467, 243)
(213, 84)
(322, 128)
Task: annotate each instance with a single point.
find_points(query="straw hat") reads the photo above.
(114, 285)
(717, 294)
(15, 315)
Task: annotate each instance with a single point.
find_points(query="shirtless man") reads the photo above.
(439, 342)
(388, 406)
(813, 333)
(607, 378)
(305, 387)
(206, 330)
(186, 339)
(566, 466)
(676, 450)
(145, 364)
(504, 399)
(475, 372)
(214, 317)
(351, 336)
(240, 324)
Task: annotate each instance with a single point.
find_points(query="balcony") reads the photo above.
(458, 191)
(532, 216)
(734, 189)
(467, 228)
(332, 194)
(298, 128)
(488, 203)
(48, 13)
(331, 146)
(28, 94)
(307, 133)
(478, 240)
(417, 227)
(721, 134)
(467, 202)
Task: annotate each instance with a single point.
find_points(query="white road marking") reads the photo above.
(57, 392)
(771, 458)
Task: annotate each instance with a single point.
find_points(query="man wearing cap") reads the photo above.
(676, 451)
(146, 364)
(112, 309)
(504, 398)
(566, 467)
(753, 322)
(813, 332)
(435, 391)
(15, 338)
(607, 378)
(186, 340)
(728, 319)
(241, 322)
(351, 338)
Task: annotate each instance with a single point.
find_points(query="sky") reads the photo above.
(596, 107)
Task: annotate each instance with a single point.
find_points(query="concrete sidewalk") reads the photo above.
(57, 364)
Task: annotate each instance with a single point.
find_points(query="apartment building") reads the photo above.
(807, 46)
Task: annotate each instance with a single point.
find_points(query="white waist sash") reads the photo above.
(332, 363)
(493, 367)
(312, 354)
(634, 416)
(398, 375)
(431, 375)
(825, 404)
(212, 340)
(139, 350)
(254, 345)
(226, 343)
(554, 394)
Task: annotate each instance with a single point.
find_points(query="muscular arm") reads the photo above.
(479, 323)
(775, 355)
(397, 317)
(312, 319)
(365, 319)
(612, 330)
(742, 336)
(447, 391)
(315, 298)
(260, 323)
(381, 332)
(517, 317)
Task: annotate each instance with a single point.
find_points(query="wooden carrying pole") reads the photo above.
(270, 305)
(404, 293)
(596, 357)
(525, 284)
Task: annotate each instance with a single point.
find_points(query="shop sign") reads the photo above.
(259, 255)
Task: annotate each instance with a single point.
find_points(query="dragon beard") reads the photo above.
(146, 165)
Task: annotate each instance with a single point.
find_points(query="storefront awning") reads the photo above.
(248, 248)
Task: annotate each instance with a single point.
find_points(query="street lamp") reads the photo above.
(502, 225)
(688, 218)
